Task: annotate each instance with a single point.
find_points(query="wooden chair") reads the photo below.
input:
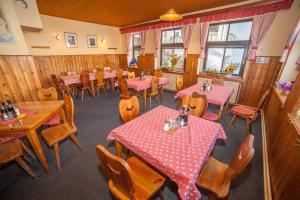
(131, 75)
(100, 81)
(120, 73)
(195, 104)
(217, 81)
(130, 179)
(158, 73)
(216, 176)
(206, 114)
(55, 134)
(179, 83)
(11, 149)
(85, 85)
(49, 94)
(129, 108)
(59, 86)
(123, 88)
(154, 90)
(248, 113)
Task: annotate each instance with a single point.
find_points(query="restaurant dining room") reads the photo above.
(138, 99)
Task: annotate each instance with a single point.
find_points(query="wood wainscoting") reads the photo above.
(283, 147)
(257, 79)
(19, 79)
(47, 65)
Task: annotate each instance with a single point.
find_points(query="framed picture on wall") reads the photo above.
(71, 40)
(5, 34)
(92, 41)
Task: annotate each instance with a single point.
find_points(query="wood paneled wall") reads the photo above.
(258, 78)
(19, 79)
(284, 154)
(47, 65)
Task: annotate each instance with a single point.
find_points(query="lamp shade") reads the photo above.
(171, 15)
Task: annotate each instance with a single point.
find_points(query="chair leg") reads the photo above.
(150, 98)
(23, 164)
(156, 99)
(161, 196)
(232, 121)
(27, 150)
(76, 142)
(98, 90)
(211, 196)
(56, 151)
(248, 126)
(82, 95)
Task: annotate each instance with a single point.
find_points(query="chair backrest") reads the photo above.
(85, 80)
(123, 87)
(154, 85)
(49, 94)
(204, 98)
(195, 105)
(119, 173)
(179, 83)
(263, 99)
(56, 82)
(100, 77)
(158, 73)
(241, 159)
(216, 81)
(129, 108)
(120, 73)
(69, 108)
(131, 75)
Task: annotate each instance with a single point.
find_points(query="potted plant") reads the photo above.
(174, 61)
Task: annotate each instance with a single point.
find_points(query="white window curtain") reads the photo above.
(143, 41)
(186, 37)
(260, 26)
(128, 45)
(157, 41)
(290, 42)
(203, 37)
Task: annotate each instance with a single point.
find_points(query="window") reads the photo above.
(136, 45)
(227, 43)
(171, 44)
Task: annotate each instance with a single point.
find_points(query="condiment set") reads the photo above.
(206, 87)
(9, 110)
(181, 121)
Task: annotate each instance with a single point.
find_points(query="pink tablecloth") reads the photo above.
(68, 80)
(219, 95)
(179, 155)
(138, 85)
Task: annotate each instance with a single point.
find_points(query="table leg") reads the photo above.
(118, 149)
(161, 94)
(219, 112)
(92, 88)
(145, 99)
(36, 145)
(112, 84)
(68, 90)
(226, 107)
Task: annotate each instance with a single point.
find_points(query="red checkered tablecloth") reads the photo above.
(179, 155)
(138, 85)
(219, 95)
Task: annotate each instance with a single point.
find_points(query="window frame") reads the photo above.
(135, 47)
(229, 44)
(171, 45)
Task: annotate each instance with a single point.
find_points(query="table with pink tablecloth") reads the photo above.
(180, 155)
(74, 79)
(218, 95)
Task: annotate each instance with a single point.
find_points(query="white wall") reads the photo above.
(57, 26)
(19, 46)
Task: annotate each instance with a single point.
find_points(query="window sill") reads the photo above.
(166, 70)
(223, 77)
(133, 66)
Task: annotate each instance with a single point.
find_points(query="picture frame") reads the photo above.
(71, 40)
(92, 41)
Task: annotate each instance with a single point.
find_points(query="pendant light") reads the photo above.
(171, 15)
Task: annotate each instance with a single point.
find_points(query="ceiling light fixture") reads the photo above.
(103, 40)
(171, 15)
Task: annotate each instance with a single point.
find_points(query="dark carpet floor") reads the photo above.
(80, 177)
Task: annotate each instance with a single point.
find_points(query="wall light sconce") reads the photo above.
(103, 40)
(58, 37)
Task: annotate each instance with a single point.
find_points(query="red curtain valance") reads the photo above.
(232, 14)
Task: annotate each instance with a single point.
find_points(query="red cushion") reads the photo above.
(211, 116)
(242, 110)
(54, 121)
(8, 137)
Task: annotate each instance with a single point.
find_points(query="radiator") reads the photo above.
(236, 85)
(172, 81)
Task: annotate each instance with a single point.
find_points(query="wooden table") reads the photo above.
(143, 85)
(43, 111)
